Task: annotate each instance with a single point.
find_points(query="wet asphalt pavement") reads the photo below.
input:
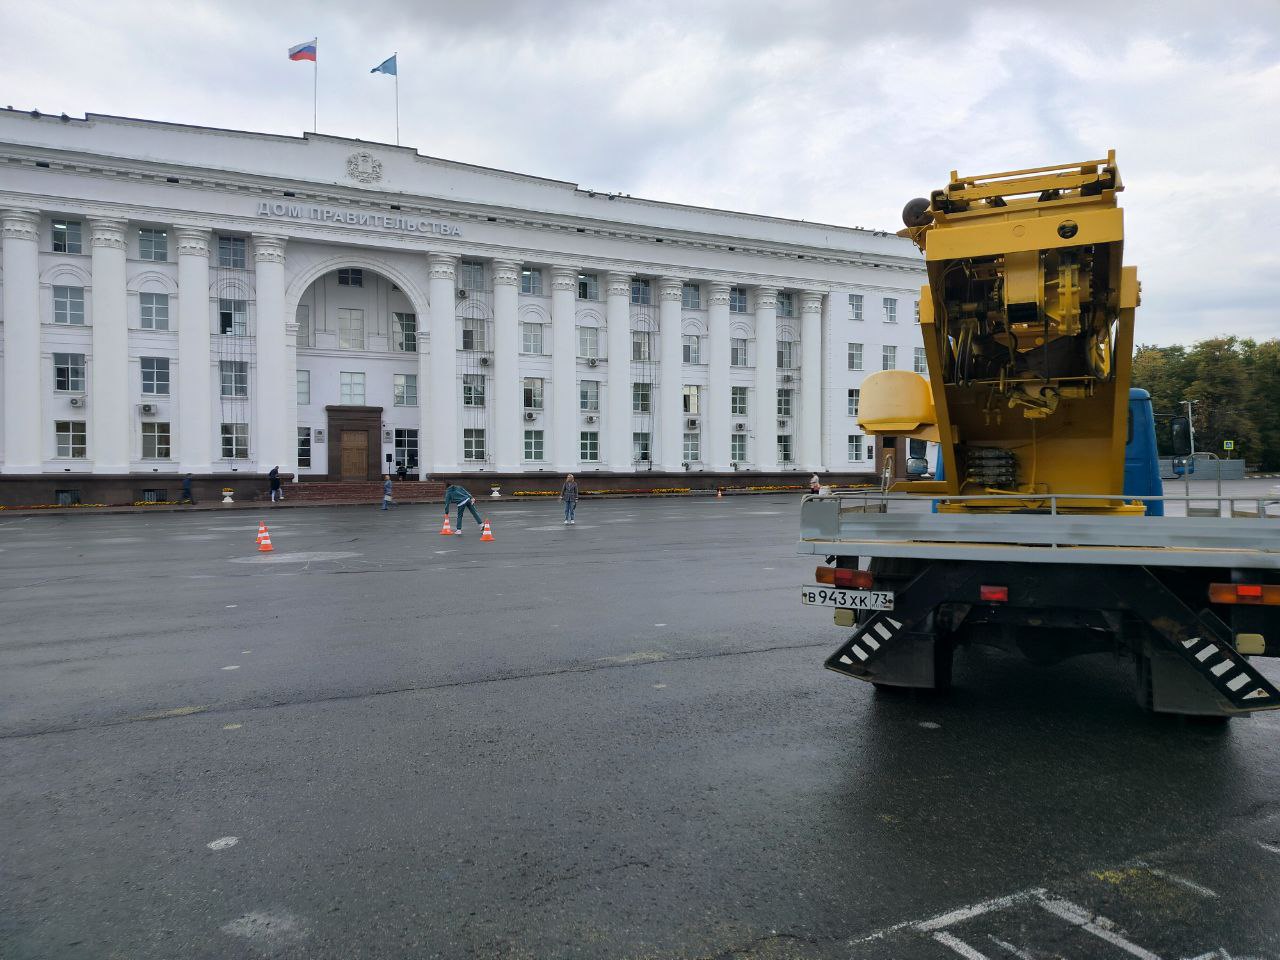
(609, 740)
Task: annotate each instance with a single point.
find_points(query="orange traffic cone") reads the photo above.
(264, 542)
(487, 533)
(446, 530)
(262, 531)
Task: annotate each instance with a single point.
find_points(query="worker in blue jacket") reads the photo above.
(455, 494)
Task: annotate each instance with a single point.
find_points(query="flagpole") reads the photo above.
(397, 99)
(315, 89)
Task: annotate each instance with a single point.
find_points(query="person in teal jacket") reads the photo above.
(455, 494)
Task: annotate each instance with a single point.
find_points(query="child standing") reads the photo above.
(569, 494)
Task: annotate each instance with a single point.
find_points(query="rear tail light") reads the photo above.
(845, 577)
(1263, 593)
(991, 594)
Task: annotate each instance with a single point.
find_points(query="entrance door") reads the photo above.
(355, 455)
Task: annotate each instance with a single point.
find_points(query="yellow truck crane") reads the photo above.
(1033, 535)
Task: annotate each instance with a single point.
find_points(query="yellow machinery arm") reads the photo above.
(1027, 321)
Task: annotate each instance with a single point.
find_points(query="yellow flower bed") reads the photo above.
(53, 506)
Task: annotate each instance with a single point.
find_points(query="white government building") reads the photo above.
(182, 299)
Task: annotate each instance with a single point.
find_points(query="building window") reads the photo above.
(784, 403)
(692, 448)
(855, 306)
(641, 292)
(235, 441)
(640, 447)
(890, 310)
(72, 438)
(738, 447)
(641, 398)
(691, 296)
(471, 276)
(304, 447)
(533, 445)
(737, 299)
(233, 317)
(589, 446)
(786, 354)
(888, 357)
(855, 448)
(155, 441)
(473, 390)
(919, 362)
(531, 281)
(589, 395)
(916, 307)
(531, 338)
(853, 402)
(786, 304)
(351, 277)
(352, 389)
(68, 372)
(737, 401)
(473, 334)
(406, 448)
(855, 356)
(153, 244)
(67, 236)
(68, 305)
(235, 377)
(589, 343)
(350, 328)
(588, 286)
(306, 330)
(304, 388)
(232, 252)
(689, 399)
(533, 393)
(641, 345)
(405, 332)
(473, 444)
(154, 311)
(155, 376)
(692, 347)
(784, 448)
(738, 352)
(405, 390)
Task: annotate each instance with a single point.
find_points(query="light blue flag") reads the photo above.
(386, 66)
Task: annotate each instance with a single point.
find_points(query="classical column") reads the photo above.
(195, 438)
(276, 434)
(618, 423)
(717, 417)
(111, 414)
(504, 383)
(670, 452)
(811, 386)
(23, 417)
(443, 363)
(564, 370)
(765, 413)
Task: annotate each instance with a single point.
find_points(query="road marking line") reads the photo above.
(222, 843)
(1180, 881)
(1077, 915)
(232, 606)
(1009, 947)
(1269, 847)
(930, 725)
(234, 666)
(659, 686)
(976, 910)
(231, 726)
(959, 946)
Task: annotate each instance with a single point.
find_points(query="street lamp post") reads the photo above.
(1191, 427)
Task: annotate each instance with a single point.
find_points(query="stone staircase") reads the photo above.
(364, 491)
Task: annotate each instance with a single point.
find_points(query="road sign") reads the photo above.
(1228, 444)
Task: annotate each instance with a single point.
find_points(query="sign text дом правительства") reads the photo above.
(387, 221)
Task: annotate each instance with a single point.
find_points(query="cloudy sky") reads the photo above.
(813, 109)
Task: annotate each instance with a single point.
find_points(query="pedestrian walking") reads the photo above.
(455, 494)
(815, 485)
(274, 476)
(569, 494)
(186, 490)
(386, 491)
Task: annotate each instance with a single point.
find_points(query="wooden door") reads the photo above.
(355, 455)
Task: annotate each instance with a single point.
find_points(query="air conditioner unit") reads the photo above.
(530, 415)
(691, 424)
(787, 378)
(388, 435)
(77, 401)
(739, 427)
(593, 362)
(147, 409)
(592, 419)
(484, 361)
(317, 435)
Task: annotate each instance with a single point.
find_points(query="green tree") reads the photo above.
(1222, 388)
(1262, 363)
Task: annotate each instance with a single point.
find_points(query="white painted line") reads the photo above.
(222, 843)
(231, 726)
(234, 666)
(1269, 847)
(959, 946)
(1010, 948)
(930, 725)
(1093, 924)
(1180, 881)
(246, 651)
(977, 910)
(232, 606)
(659, 624)
(659, 686)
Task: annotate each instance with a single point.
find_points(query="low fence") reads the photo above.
(1207, 469)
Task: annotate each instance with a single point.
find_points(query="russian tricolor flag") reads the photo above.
(304, 51)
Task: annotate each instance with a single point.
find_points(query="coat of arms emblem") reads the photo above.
(365, 167)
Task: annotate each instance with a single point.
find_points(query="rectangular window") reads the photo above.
(855, 306)
(235, 441)
(855, 356)
(786, 304)
(888, 357)
(404, 390)
(406, 449)
(471, 276)
(738, 447)
(890, 310)
(351, 277)
(641, 345)
(588, 286)
(855, 447)
(692, 347)
(68, 305)
(691, 296)
(306, 329)
(473, 334)
(640, 447)
(232, 252)
(589, 446)
(853, 402)
(641, 291)
(690, 399)
(533, 393)
(154, 311)
(737, 299)
(692, 448)
(641, 398)
(153, 244)
(916, 307)
(784, 403)
(304, 447)
(473, 390)
(473, 444)
(155, 376)
(350, 328)
(67, 236)
(531, 338)
(784, 448)
(589, 343)
(68, 372)
(589, 395)
(155, 441)
(533, 445)
(235, 377)
(404, 332)
(304, 388)
(72, 438)
(738, 401)
(233, 317)
(919, 362)
(531, 281)
(738, 352)
(786, 354)
(352, 388)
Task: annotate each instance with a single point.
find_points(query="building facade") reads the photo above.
(187, 300)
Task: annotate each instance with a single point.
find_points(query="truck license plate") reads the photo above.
(848, 599)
